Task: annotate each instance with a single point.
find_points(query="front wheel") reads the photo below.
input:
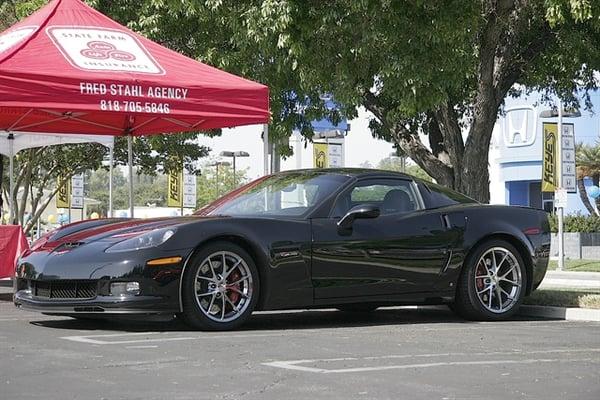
(492, 284)
(220, 287)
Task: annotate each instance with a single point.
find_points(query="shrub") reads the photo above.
(577, 223)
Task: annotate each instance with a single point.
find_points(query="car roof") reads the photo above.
(353, 172)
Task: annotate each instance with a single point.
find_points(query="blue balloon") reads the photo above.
(594, 192)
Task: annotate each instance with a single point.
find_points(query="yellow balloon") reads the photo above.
(94, 215)
(6, 217)
(52, 218)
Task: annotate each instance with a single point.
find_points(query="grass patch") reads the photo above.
(577, 265)
(565, 298)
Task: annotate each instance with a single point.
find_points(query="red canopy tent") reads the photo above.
(70, 69)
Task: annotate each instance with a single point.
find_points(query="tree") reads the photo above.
(588, 165)
(438, 68)
(395, 164)
(209, 188)
(442, 69)
(96, 187)
(40, 168)
(148, 190)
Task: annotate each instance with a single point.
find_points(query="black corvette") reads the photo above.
(348, 238)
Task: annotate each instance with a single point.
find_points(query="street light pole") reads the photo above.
(561, 241)
(217, 164)
(560, 189)
(217, 178)
(234, 154)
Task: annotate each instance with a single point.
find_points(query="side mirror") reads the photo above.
(360, 211)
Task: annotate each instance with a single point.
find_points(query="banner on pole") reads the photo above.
(77, 191)
(550, 137)
(567, 170)
(189, 190)
(320, 155)
(174, 189)
(63, 196)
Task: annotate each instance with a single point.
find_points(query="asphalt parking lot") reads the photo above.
(394, 353)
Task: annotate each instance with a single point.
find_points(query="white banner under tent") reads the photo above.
(13, 142)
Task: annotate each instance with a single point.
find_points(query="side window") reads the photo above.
(391, 195)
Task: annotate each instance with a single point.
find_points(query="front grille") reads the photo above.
(63, 289)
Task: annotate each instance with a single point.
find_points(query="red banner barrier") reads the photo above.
(13, 243)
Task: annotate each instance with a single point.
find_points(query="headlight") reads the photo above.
(143, 241)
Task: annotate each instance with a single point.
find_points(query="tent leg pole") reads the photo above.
(266, 148)
(130, 162)
(11, 188)
(111, 155)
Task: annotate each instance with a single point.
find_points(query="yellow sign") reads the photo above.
(550, 154)
(175, 191)
(320, 159)
(63, 196)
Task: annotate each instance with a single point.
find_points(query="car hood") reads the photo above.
(106, 229)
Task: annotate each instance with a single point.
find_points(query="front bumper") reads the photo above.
(98, 305)
(79, 282)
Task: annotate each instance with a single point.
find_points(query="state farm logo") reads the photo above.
(10, 39)
(101, 49)
(104, 51)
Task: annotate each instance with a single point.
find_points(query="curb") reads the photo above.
(565, 313)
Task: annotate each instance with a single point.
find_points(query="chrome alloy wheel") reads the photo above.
(498, 280)
(223, 286)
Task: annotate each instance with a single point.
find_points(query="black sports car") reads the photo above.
(354, 239)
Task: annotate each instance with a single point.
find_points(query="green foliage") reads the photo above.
(395, 164)
(152, 190)
(577, 223)
(209, 188)
(565, 298)
(39, 169)
(577, 265)
(438, 68)
(96, 187)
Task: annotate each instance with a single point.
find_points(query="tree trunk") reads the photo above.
(584, 197)
(596, 182)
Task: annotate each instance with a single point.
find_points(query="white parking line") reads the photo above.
(296, 364)
(97, 339)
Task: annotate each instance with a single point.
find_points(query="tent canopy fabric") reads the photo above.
(69, 69)
(25, 140)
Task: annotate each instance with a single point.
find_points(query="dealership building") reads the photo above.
(515, 159)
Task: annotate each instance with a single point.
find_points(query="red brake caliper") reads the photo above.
(479, 281)
(234, 295)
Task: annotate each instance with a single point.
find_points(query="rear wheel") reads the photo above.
(220, 287)
(492, 284)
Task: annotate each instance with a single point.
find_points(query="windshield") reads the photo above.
(287, 194)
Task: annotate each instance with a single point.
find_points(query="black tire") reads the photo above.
(357, 308)
(475, 297)
(195, 314)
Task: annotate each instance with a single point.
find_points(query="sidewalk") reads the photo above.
(571, 280)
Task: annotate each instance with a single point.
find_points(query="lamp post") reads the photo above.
(234, 154)
(560, 113)
(402, 158)
(217, 164)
